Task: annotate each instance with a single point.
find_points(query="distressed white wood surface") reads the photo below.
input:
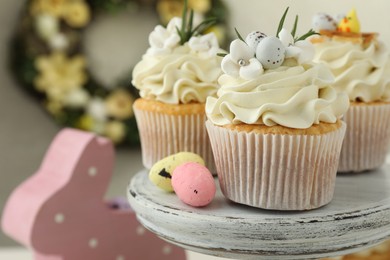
(357, 218)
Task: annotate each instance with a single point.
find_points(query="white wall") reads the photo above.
(264, 15)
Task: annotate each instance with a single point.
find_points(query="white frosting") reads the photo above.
(364, 74)
(182, 76)
(296, 97)
(178, 74)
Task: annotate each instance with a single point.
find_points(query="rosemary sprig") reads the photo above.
(306, 35)
(203, 26)
(238, 34)
(294, 30)
(281, 22)
(186, 31)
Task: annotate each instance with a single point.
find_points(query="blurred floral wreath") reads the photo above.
(47, 58)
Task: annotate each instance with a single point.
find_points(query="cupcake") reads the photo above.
(175, 76)
(275, 126)
(361, 66)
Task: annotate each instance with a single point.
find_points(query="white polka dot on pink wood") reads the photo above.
(93, 243)
(140, 230)
(167, 249)
(120, 257)
(92, 171)
(59, 218)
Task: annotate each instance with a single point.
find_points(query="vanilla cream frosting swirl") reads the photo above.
(179, 77)
(363, 73)
(296, 97)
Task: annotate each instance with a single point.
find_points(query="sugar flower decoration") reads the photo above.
(205, 45)
(241, 61)
(180, 31)
(258, 52)
(302, 51)
(163, 40)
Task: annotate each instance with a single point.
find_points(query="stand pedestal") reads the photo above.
(357, 218)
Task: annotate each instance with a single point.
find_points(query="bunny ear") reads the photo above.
(72, 155)
(66, 197)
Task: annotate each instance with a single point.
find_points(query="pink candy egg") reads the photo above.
(193, 184)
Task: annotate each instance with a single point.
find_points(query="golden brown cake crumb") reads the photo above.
(359, 38)
(318, 129)
(170, 109)
(373, 103)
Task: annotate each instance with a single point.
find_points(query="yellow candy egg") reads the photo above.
(161, 172)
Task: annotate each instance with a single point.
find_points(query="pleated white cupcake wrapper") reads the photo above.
(163, 135)
(367, 138)
(270, 171)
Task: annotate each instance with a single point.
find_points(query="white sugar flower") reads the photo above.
(302, 51)
(174, 23)
(241, 61)
(163, 40)
(205, 45)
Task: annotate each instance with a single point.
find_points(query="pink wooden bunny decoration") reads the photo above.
(59, 212)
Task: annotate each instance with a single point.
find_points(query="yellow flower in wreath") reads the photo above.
(76, 14)
(200, 6)
(119, 104)
(58, 74)
(54, 107)
(167, 9)
(51, 7)
(115, 130)
(85, 122)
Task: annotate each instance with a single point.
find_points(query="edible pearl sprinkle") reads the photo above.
(59, 218)
(241, 62)
(93, 242)
(92, 171)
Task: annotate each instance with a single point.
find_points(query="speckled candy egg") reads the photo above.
(193, 184)
(322, 21)
(161, 172)
(254, 38)
(270, 52)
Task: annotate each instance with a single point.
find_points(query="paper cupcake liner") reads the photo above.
(271, 171)
(164, 134)
(367, 138)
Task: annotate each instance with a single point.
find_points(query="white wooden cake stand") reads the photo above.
(357, 218)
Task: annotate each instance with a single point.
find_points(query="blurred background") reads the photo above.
(112, 44)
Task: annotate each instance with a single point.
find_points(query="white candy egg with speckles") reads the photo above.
(322, 21)
(254, 38)
(270, 52)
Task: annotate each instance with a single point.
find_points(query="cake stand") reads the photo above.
(358, 217)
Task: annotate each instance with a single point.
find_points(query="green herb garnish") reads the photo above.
(220, 54)
(294, 30)
(306, 35)
(239, 35)
(186, 31)
(281, 22)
